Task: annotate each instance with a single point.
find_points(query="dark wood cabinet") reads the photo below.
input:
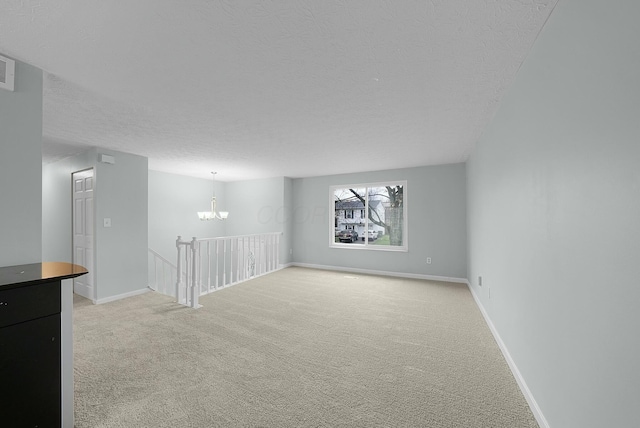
(30, 344)
(30, 373)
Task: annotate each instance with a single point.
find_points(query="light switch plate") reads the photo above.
(107, 222)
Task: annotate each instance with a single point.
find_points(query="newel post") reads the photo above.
(195, 283)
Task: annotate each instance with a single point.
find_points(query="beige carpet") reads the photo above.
(297, 348)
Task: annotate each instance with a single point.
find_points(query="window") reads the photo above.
(382, 223)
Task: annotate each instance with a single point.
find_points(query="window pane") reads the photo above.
(386, 214)
(349, 223)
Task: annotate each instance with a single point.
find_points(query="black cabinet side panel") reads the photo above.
(30, 390)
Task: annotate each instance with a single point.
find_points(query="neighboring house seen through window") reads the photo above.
(371, 216)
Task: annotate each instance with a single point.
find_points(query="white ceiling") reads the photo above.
(258, 88)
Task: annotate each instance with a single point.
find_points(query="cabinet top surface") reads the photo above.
(38, 272)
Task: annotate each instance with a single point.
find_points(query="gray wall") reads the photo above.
(286, 254)
(121, 194)
(57, 205)
(261, 206)
(436, 199)
(255, 206)
(20, 168)
(121, 250)
(554, 206)
(174, 201)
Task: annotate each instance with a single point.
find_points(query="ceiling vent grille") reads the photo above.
(7, 73)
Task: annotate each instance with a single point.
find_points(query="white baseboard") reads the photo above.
(121, 296)
(533, 405)
(381, 272)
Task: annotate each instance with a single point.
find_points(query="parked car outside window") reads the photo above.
(371, 234)
(348, 236)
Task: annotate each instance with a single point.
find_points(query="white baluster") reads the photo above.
(237, 259)
(208, 267)
(195, 286)
(278, 253)
(217, 258)
(224, 263)
(179, 270)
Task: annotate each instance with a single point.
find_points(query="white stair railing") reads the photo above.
(162, 274)
(209, 264)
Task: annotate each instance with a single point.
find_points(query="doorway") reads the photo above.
(83, 185)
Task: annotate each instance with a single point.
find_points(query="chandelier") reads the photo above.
(210, 215)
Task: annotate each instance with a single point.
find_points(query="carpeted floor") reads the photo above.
(296, 348)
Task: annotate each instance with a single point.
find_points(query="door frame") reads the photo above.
(91, 269)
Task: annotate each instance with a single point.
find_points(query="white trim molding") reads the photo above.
(533, 405)
(121, 296)
(382, 273)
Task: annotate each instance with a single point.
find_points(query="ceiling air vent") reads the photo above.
(7, 73)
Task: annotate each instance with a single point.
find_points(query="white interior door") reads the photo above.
(83, 231)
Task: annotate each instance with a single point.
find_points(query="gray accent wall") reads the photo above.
(436, 200)
(554, 211)
(20, 168)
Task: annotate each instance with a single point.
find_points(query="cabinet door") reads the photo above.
(30, 373)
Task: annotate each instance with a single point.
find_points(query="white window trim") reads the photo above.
(365, 244)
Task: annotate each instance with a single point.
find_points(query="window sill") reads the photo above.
(372, 247)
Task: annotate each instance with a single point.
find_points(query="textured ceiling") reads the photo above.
(258, 88)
